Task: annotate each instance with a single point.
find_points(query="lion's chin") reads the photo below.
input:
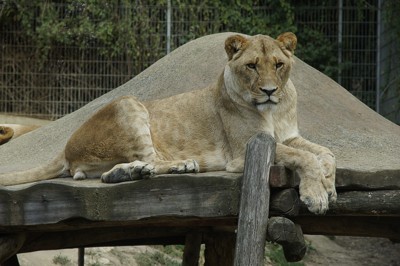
(267, 105)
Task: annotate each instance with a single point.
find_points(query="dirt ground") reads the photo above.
(352, 251)
(343, 251)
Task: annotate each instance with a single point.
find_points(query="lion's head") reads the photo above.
(258, 68)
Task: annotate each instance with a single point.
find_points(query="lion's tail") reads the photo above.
(50, 170)
(6, 133)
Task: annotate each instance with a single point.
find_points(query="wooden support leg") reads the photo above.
(284, 232)
(13, 261)
(220, 249)
(254, 201)
(191, 253)
(81, 256)
(10, 245)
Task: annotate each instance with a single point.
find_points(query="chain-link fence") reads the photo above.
(57, 81)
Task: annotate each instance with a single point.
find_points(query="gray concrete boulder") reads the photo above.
(362, 140)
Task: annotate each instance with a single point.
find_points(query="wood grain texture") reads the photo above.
(364, 203)
(220, 249)
(346, 179)
(289, 235)
(371, 226)
(254, 201)
(50, 202)
(191, 252)
(64, 213)
(190, 195)
(285, 202)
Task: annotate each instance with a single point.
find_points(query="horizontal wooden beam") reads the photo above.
(365, 203)
(161, 235)
(371, 226)
(209, 195)
(206, 195)
(346, 179)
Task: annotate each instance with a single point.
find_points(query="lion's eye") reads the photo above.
(251, 66)
(279, 65)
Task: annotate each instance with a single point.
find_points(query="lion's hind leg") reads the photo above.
(128, 172)
(177, 167)
(141, 170)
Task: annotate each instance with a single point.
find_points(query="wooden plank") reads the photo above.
(254, 201)
(364, 203)
(203, 196)
(349, 207)
(346, 179)
(285, 202)
(118, 235)
(50, 202)
(370, 226)
(104, 236)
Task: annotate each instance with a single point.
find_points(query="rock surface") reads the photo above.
(362, 140)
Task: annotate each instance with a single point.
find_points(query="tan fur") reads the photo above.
(203, 130)
(12, 131)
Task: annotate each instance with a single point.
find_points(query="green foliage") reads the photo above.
(156, 258)
(275, 253)
(173, 250)
(135, 30)
(246, 16)
(321, 54)
(62, 260)
(391, 9)
(118, 28)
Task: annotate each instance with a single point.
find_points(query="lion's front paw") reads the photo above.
(314, 196)
(328, 164)
(128, 172)
(329, 184)
(185, 166)
(312, 190)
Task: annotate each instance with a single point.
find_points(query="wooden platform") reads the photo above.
(63, 213)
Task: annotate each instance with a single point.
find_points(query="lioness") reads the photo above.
(202, 130)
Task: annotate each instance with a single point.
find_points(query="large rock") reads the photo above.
(362, 140)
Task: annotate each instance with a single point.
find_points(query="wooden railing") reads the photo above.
(192, 209)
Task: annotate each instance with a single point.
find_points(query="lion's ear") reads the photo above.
(289, 41)
(234, 44)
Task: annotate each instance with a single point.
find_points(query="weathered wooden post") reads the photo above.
(191, 253)
(254, 202)
(9, 246)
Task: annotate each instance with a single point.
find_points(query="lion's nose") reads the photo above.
(268, 91)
